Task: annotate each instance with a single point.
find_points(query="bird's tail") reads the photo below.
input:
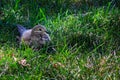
(21, 29)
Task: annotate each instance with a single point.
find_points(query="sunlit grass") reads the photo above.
(87, 43)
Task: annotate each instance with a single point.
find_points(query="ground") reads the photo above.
(85, 35)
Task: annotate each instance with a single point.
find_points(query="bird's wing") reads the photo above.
(21, 29)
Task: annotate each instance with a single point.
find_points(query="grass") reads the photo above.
(87, 41)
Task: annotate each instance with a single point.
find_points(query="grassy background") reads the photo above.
(85, 34)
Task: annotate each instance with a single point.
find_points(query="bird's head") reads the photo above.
(41, 31)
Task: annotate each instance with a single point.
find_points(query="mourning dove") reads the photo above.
(37, 36)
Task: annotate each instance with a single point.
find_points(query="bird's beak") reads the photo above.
(48, 32)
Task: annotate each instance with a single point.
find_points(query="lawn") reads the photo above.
(84, 33)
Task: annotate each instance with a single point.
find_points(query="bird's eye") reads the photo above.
(40, 29)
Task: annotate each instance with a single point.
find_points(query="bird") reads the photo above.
(35, 37)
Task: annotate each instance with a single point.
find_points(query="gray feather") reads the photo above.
(21, 29)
